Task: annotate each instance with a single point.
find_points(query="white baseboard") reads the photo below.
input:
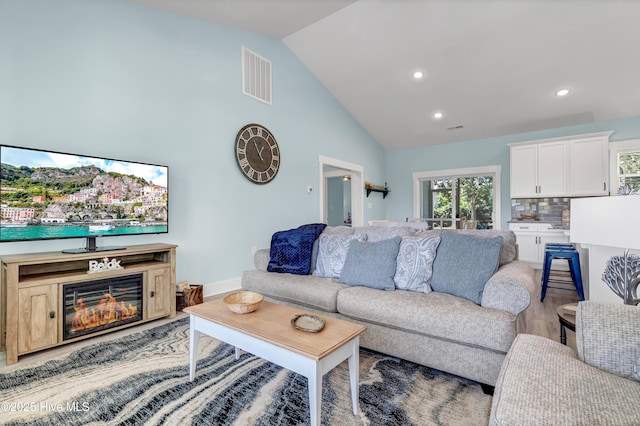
(213, 289)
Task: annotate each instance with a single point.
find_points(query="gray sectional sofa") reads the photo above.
(543, 382)
(436, 329)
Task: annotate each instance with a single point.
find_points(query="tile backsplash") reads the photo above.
(547, 209)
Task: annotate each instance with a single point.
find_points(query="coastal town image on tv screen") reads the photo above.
(46, 194)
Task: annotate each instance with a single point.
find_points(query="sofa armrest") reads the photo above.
(542, 382)
(261, 259)
(510, 288)
(608, 337)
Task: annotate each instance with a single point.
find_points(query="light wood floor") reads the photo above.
(542, 320)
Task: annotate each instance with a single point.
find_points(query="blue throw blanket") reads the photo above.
(291, 250)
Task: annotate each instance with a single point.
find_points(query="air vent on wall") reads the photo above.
(256, 76)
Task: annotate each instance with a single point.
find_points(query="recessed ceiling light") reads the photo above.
(418, 75)
(562, 92)
(438, 115)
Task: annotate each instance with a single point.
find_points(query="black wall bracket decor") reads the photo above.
(377, 188)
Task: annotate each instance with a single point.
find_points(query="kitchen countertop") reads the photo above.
(554, 224)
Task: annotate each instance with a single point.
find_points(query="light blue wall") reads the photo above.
(335, 201)
(115, 79)
(484, 152)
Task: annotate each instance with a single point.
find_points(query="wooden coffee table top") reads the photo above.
(272, 323)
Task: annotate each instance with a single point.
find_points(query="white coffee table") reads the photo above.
(268, 333)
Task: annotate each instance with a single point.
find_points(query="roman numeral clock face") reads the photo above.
(257, 153)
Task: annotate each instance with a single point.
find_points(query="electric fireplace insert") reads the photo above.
(98, 305)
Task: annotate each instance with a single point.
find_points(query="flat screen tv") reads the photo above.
(50, 195)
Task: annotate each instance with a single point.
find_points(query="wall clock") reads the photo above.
(257, 153)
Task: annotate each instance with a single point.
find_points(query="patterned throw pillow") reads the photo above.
(332, 251)
(415, 263)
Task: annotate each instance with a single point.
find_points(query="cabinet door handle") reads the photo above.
(52, 314)
(153, 293)
(604, 186)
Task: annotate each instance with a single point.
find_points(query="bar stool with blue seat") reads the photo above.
(565, 251)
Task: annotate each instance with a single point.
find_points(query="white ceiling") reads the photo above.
(492, 66)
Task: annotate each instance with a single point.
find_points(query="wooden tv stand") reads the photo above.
(32, 313)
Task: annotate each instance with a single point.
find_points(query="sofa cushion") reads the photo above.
(332, 252)
(309, 291)
(379, 233)
(415, 263)
(371, 264)
(464, 263)
(432, 314)
(508, 251)
(291, 249)
(338, 230)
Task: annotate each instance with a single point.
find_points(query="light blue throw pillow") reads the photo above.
(464, 264)
(415, 263)
(371, 264)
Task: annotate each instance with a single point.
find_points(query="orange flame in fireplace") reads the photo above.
(108, 311)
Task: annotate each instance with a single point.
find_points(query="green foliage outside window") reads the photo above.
(629, 170)
(475, 199)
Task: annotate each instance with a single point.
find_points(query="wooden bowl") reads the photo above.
(243, 302)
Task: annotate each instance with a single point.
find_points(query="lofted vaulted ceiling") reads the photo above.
(492, 67)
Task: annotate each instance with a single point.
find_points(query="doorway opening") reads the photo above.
(341, 192)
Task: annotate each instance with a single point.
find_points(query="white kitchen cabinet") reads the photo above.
(531, 239)
(588, 166)
(552, 174)
(560, 167)
(539, 170)
(524, 171)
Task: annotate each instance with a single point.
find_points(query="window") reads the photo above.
(625, 165)
(465, 201)
(462, 198)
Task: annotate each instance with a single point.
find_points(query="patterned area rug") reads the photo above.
(143, 378)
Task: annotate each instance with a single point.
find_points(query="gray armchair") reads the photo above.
(543, 382)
